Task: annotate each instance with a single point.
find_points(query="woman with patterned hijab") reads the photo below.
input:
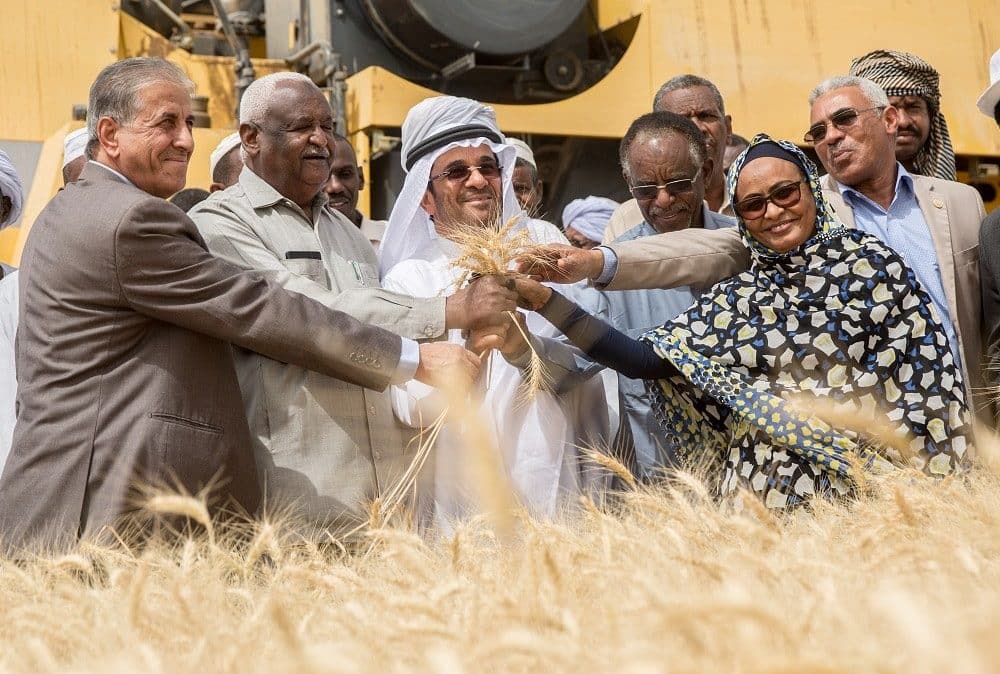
(823, 311)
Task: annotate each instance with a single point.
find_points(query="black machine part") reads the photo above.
(434, 33)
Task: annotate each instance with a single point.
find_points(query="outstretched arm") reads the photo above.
(597, 339)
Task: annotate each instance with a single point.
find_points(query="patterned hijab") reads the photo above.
(840, 318)
(902, 74)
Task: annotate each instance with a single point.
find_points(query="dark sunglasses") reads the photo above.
(674, 188)
(784, 195)
(460, 174)
(842, 119)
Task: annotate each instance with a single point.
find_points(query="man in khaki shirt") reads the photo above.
(329, 446)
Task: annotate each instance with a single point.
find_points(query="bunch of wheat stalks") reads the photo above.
(904, 579)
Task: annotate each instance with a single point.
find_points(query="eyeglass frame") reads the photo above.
(769, 198)
(470, 169)
(808, 137)
(691, 180)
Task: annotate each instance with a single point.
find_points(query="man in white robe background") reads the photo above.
(11, 203)
(459, 169)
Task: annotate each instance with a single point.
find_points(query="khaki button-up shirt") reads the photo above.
(327, 444)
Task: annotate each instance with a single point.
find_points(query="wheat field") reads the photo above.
(905, 578)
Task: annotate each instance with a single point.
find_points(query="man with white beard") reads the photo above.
(459, 168)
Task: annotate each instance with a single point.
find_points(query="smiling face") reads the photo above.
(292, 147)
(914, 126)
(661, 159)
(779, 228)
(152, 150)
(864, 152)
(472, 200)
(345, 181)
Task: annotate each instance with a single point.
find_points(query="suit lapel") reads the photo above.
(841, 211)
(935, 209)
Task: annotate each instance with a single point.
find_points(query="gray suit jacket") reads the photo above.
(124, 364)
(953, 212)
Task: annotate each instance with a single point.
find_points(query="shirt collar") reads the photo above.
(111, 170)
(262, 194)
(904, 184)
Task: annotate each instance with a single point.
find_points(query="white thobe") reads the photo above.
(8, 380)
(537, 440)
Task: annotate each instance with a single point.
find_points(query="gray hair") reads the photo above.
(872, 91)
(688, 82)
(116, 91)
(257, 97)
(658, 124)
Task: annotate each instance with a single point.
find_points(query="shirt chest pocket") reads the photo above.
(310, 268)
(352, 273)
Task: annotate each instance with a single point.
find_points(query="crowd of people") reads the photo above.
(267, 345)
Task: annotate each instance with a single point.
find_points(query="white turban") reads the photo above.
(523, 151)
(224, 147)
(589, 216)
(431, 128)
(10, 187)
(74, 145)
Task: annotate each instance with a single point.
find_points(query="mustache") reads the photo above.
(474, 195)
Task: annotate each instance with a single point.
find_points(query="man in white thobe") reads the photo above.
(459, 170)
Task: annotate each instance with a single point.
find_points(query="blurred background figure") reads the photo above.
(584, 220)
(225, 162)
(188, 198)
(11, 201)
(74, 155)
(736, 145)
(347, 179)
(527, 185)
(923, 144)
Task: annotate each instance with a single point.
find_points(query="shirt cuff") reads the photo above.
(409, 359)
(610, 266)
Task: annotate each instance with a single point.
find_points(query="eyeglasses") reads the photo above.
(459, 174)
(673, 188)
(784, 195)
(842, 119)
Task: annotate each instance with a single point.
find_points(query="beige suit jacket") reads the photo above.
(953, 212)
(628, 216)
(124, 362)
(328, 445)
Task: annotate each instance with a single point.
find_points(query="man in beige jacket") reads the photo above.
(326, 444)
(932, 223)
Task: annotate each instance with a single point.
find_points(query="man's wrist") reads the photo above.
(409, 360)
(605, 267)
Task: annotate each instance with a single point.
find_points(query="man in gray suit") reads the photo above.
(932, 223)
(329, 446)
(123, 359)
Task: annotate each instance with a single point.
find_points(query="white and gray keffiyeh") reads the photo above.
(10, 187)
(432, 127)
(589, 216)
(74, 145)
